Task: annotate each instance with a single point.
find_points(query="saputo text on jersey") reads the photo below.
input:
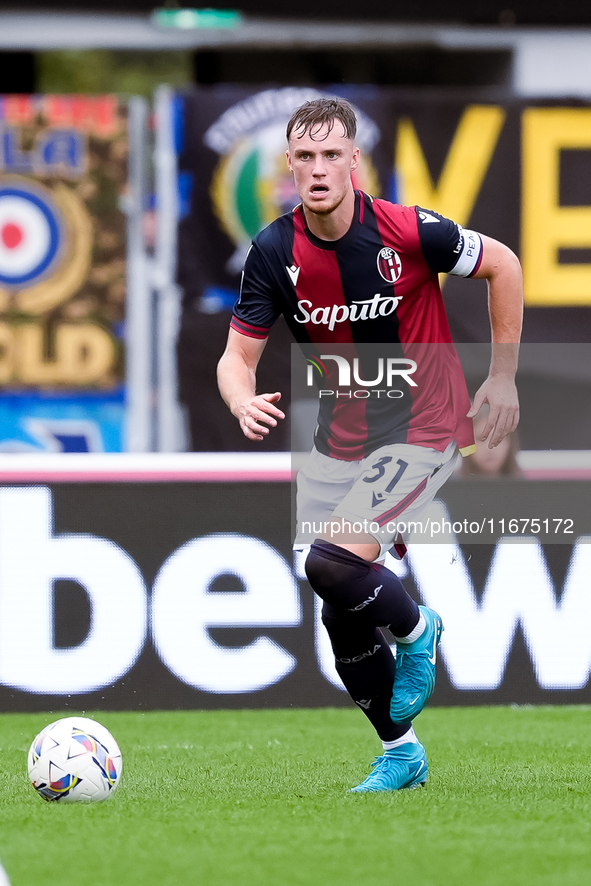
(330, 315)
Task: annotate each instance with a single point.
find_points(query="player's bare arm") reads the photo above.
(256, 413)
(502, 270)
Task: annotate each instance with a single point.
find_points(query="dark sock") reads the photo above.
(366, 590)
(365, 664)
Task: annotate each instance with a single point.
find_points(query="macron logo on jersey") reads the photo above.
(426, 217)
(294, 273)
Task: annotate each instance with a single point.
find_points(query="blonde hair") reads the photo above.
(312, 116)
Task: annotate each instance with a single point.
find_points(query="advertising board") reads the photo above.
(118, 593)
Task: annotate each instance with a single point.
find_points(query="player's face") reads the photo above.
(322, 165)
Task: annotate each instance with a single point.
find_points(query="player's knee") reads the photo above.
(330, 570)
(320, 573)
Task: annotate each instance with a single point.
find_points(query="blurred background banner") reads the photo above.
(511, 169)
(514, 169)
(63, 172)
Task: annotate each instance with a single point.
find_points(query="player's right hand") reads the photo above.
(258, 415)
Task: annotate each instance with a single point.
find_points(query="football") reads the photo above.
(74, 760)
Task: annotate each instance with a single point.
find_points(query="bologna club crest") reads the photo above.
(389, 264)
(31, 234)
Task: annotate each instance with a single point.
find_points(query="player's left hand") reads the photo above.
(500, 393)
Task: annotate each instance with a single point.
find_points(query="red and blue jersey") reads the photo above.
(375, 294)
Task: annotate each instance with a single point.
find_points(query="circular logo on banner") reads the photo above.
(389, 264)
(30, 234)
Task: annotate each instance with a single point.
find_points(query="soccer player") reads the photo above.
(348, 270)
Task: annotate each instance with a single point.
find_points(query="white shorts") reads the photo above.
(380, 495)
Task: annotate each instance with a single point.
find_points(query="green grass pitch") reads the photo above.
(259, 798)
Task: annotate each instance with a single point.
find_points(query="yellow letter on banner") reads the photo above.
(465, 167)
(547, 226)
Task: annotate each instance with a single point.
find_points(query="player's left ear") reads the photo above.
(355, 159)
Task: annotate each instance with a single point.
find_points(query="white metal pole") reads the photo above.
(170, 425)
(138, 310)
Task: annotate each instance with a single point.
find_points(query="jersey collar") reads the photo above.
(334, 245)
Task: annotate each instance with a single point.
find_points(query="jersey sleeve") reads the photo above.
(446, 246)
(256, 308)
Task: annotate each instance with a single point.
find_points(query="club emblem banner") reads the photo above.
(513, 169)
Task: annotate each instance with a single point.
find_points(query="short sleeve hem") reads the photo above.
(260, 332)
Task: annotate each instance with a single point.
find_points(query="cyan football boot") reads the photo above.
(402, 767)
(414, 678)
